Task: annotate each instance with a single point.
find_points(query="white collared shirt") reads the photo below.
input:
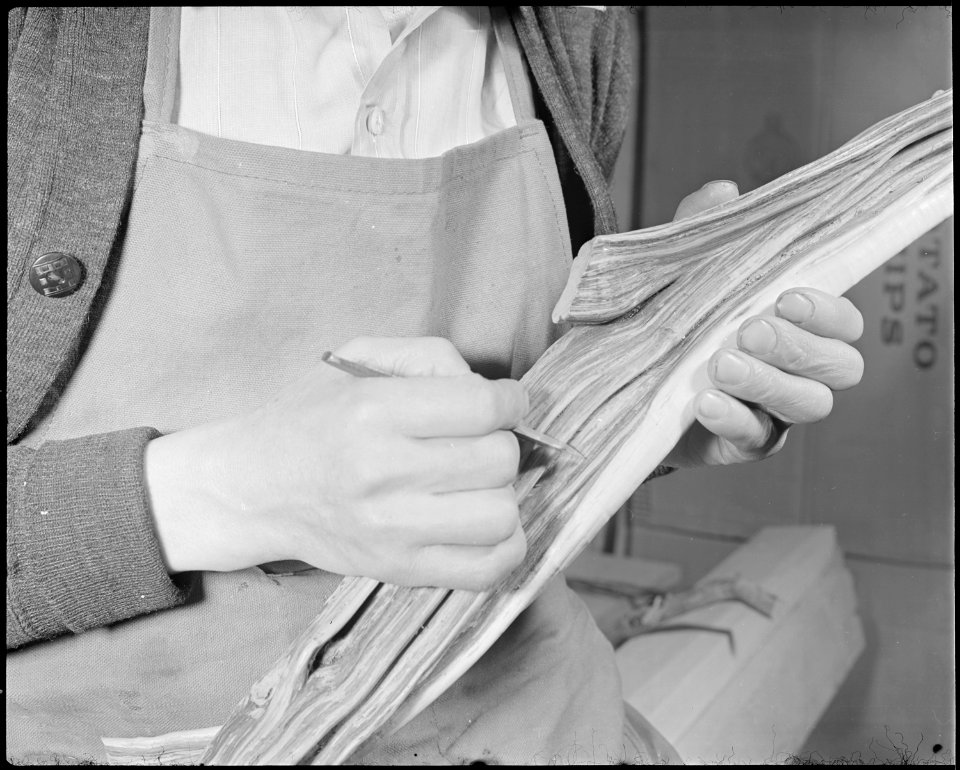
(380, 81)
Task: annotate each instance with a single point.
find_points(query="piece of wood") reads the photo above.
(786, 561)
(180, 748)
(620, 390)
(591, 566)
(644, 614)
(756, 687)
(767, 712)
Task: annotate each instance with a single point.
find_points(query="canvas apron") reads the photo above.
(241, 264)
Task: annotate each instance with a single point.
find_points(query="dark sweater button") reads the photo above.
(56, 274)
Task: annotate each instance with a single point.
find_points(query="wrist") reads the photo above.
(198, 514)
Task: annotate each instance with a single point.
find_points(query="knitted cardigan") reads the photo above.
(81, 549)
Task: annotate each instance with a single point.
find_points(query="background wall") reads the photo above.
(747, 94)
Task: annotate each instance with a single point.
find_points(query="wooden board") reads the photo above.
(757, 693)
(769, 710)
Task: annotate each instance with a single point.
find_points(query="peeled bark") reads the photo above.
(650, 307)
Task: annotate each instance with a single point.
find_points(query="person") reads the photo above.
(202, 201)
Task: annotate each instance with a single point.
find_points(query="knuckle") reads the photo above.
(849, 370)
(365, 479)
(812, 404)
(854, 319)
(521, 397)
(506, 456)
(819, 407)
(504, 559)
(413, 566)
(443, 353)
(404, 572)
(503, 515)
(856, 367)
(441, 346)
(479, 580)
(490, 573)
(487, 400)
(364, 408)
(795, 357)
(763, 388)
(825, 405)
(355, 347)
(792, 349)
(846, 306)
(516, 551)
(501, 401)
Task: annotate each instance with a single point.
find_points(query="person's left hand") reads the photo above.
(783, 372)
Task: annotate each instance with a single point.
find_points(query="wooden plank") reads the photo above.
(767, 712)
(672, 677)
(179, 748)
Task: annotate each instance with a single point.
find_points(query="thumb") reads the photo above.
(710, 195)
(406, 356)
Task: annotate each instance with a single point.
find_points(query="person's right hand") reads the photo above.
(406, 479)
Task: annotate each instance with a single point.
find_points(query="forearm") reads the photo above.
(81, 549)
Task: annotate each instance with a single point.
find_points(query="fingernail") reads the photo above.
(730, 369)
(721, 183)
(712, 406)
(758, 336)
(795, 307)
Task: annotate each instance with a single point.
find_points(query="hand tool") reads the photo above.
(524, 431)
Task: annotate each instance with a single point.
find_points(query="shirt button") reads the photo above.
(375, 121)
(56, 274)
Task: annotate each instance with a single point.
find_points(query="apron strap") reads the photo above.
(163, 56)
(517, 71)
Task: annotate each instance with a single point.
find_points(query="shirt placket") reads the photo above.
(380, 119)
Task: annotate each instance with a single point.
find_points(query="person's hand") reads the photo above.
(406, 480)
(783, 372)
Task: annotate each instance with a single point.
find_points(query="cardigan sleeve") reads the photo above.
(81, 549)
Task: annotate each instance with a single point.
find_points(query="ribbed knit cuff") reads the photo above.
(81, 548)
